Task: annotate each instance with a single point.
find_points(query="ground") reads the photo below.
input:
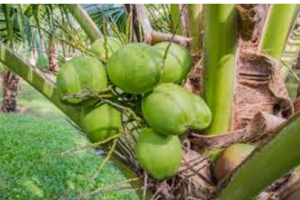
(31, 159)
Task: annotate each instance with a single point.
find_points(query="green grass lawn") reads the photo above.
(36, 105)
(31, 163)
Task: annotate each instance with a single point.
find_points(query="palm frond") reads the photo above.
(113, 13)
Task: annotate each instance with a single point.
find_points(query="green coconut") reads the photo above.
(135, 68)
(203, 114)
(98, 48)
(158, 155)
(168, 109)
(178, 62)
(230, 158)
(79, 74)
(101, 122)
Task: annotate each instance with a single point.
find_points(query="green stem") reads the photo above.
(266, 164)
(85, 21)
(175, 15)
(194, 12)
(277, 27)
(220, 40)
(35, 77)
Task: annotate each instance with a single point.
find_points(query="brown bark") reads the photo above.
(252, 19)
(10, 91)
(53, 67)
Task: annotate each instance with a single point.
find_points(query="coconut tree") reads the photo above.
(10, 20)
(237, 68)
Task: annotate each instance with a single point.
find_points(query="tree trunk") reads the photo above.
(52, 57)
(10, 91)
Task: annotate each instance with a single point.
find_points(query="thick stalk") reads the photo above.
(220, 40)
(85, 21)
(276, 30)
(266, 164)
(176, 20)
(194, 19)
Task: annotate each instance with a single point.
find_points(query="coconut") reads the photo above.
(158, 155)
(168, 109)
(178, 62)
(101, 122)
(77, 76)
(203, 114)
(99, 49)
(135, 68)
(230, 158)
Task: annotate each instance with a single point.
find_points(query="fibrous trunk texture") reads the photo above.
(10, 91)
(53, 66)
(259, 88)
(260, 92)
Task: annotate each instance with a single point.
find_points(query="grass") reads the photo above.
(37, 106)
(32, 166)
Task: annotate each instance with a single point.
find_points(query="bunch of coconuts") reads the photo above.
(138, 69)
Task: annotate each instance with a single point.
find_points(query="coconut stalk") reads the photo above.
(220, 41)
(194, 19)
(276, 30)
(261, 169)
(176, 19)
(84, 21)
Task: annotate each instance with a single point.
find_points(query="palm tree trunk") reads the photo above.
(52, 57)
(10, 91)
(9, 79)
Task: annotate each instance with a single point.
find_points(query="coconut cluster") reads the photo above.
(153, 72)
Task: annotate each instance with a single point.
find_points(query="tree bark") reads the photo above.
(10, 91)
(52, 57)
